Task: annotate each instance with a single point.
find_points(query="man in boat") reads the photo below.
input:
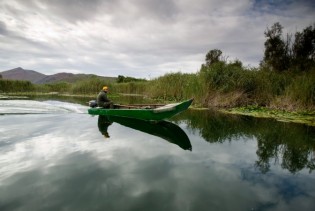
(102, 100)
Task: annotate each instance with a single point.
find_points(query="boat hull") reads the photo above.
(156, 114)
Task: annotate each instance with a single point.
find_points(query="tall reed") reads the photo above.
(89, 86)
(9, 86)
(139, 88)
(61, 87)
(302, 90)
(220, 84)
(175, 86)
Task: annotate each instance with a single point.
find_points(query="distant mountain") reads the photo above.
(39, 78)
(21, 74)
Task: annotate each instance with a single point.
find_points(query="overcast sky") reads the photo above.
(139, 38)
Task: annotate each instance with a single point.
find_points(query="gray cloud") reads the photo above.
(69, 10)
(164, 9)
(3, 28)
(138, 37)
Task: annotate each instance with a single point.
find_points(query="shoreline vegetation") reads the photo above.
(302, 117)
(282, 87)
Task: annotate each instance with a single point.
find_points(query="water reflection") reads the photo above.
(61, 162)
(289, 145)
(103, 123)
(163, 129)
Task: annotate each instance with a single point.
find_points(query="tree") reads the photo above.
(0, 76)
(213, 56)
(276, 53)
(120, 79)
(304, 49)
(237, 63)
(126, 79)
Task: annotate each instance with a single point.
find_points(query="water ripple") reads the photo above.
(37, 107)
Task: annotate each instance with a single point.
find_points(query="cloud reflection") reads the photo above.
(62, 162)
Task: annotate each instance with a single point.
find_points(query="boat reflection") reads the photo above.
(163, 129)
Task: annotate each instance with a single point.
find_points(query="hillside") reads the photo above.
(21, 74)
(39, 78)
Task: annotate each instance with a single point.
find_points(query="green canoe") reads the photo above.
(144, 112)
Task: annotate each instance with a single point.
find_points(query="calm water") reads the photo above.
(54, 156)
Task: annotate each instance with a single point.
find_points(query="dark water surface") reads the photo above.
(57, 157)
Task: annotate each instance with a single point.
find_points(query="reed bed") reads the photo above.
(219, 85)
